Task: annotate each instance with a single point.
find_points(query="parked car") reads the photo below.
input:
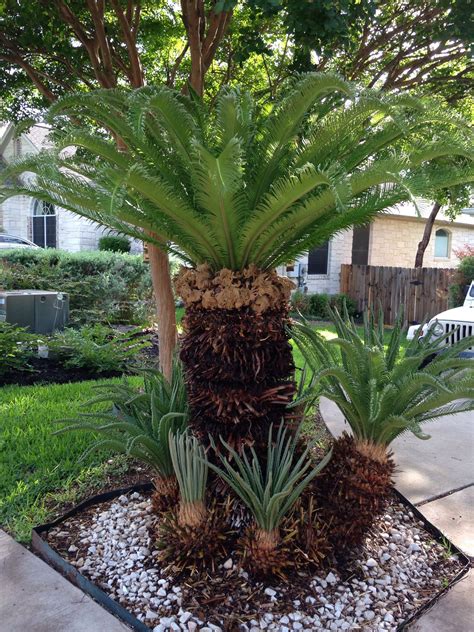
(459, 321)
(10, 241)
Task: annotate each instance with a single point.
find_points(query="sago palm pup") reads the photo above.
(139, 423)
(237, 190)
(191, 469)
(269, 488)
(194, 536)
(382, 390)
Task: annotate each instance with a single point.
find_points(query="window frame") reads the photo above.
(446, 256)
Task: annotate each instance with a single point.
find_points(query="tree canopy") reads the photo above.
(68, 45)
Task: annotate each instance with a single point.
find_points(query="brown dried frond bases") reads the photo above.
(165, 495)
(236, 353)
(227, 289)
(195, 549)
(266, 554)
(352, 491)
(307, 534)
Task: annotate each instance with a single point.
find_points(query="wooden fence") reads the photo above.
(423, 292)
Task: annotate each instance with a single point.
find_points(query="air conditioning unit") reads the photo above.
(41, 312)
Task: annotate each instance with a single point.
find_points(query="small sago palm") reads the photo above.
(196, 534)
(190, 468)
(237, 191)
(382, 391)
(139, 424)
(269, 490)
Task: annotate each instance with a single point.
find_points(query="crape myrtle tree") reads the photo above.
(62, 46)
(237, 190)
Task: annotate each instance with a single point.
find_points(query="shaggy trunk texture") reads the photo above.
(236, 352)
(353, 490)
(165, 494)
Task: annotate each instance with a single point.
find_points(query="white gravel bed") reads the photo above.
(401, 568)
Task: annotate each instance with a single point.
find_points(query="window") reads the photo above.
(44, 224)
(441, 250)
(360, 245)
(318, 259)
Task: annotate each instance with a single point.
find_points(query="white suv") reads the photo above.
(459, 321)
(10, 241)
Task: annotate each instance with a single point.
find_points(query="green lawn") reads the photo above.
(40, 472)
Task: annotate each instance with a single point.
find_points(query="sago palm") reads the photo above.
(237, 191)
(382, 391)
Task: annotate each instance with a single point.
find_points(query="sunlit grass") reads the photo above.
(36, 468)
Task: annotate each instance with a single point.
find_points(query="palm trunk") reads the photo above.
(236, 353)
(425, 240)
(353, 490)
(165, 307)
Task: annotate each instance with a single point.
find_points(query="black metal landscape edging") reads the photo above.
(442, 539)
(54, 559)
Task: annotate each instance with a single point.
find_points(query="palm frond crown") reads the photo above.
(240, 184)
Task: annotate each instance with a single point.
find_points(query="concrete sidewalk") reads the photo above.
(35, 598)
(437, 476)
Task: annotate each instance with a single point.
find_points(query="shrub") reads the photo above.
(382, 392)
(300, 302)
(95, 348)
(114, 243)
(101, 285)
(318, 305)
(191, 469)
(462, 279)
(139, 421)
(337, 301)
(269, 489)
(16, 348)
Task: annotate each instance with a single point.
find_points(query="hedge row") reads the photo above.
(102, 286)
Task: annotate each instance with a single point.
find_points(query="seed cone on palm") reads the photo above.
(354, 489)
(236, 352)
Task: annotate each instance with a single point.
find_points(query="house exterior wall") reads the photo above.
(73, 233)
(340, 251)
(394, 242)
(14, 216)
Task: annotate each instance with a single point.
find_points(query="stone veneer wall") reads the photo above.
(393, 242)
(14, 216)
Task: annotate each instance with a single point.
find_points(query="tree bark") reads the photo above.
(420, 253)
(165, 307)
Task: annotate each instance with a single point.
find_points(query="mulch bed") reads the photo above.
(48, 371)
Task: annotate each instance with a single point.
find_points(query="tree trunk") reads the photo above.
(420, 253)
(165, 307)
(236, 353)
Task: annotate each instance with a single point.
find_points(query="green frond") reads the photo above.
(270, 491)
(235, 186)
(139, 422)
(383, 392)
